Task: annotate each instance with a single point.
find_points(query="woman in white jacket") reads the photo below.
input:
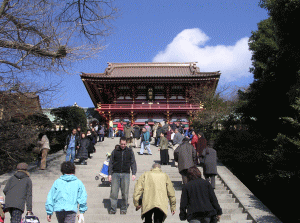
(44, 146)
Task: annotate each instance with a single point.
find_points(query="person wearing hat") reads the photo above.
(18, 191)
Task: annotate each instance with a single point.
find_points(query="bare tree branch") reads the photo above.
(60, 53)
(3, 7)
(11, 64)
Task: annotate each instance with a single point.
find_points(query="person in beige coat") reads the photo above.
(154, 188)
(44, 146)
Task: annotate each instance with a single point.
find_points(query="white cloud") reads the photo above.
(190, 45)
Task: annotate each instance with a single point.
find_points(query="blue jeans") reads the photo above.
(143, 146)
(101, 137)
(110, 133)
(158, 141)
(70, 152)
(119, 180)
(120, 133)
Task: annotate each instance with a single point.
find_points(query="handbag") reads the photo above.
(81, 218)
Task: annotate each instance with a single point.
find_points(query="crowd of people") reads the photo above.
(190, 149)
(80, 145)
(153, 189)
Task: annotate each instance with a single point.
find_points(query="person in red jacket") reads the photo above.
(120, 129)
(194, 139)
(2, 215)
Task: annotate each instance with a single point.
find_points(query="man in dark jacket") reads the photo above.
(82, 153)
(121, 161)
(210, 165)
(18, 191)
(198, 201)
(180, 128)
(185, 155)
(78, 133)
(136, 135)
(173, 126)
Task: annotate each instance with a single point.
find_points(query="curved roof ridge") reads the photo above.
(151, 64)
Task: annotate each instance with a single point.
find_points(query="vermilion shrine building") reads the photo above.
(140, 92)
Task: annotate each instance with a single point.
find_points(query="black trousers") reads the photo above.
(15, 215)
(184, 176)
(164, 157)
(158, 216)
(211, 178)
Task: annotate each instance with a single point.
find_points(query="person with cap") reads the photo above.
(18, 191)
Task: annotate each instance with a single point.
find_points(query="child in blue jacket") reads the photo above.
(66, 194)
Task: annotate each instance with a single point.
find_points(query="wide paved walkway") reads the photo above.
(98, 194)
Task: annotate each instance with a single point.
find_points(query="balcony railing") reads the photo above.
(141, 107)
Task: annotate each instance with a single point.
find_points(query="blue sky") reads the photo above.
(213, 32)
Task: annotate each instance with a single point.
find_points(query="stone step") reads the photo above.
(98, 193)
(176, 221)
(137, 216)
(99, 198)
(171, 221)
(99, 207)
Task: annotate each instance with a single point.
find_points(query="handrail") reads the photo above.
(148, 106)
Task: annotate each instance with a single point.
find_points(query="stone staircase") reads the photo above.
(98, 193)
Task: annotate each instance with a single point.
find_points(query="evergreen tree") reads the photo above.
(275, 64)
(284, 159)
(70, 117)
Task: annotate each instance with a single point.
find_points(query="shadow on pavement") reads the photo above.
(177, 185)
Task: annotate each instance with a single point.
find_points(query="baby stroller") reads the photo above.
(104, 170)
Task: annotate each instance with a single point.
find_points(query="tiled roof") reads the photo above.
(188, 69)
